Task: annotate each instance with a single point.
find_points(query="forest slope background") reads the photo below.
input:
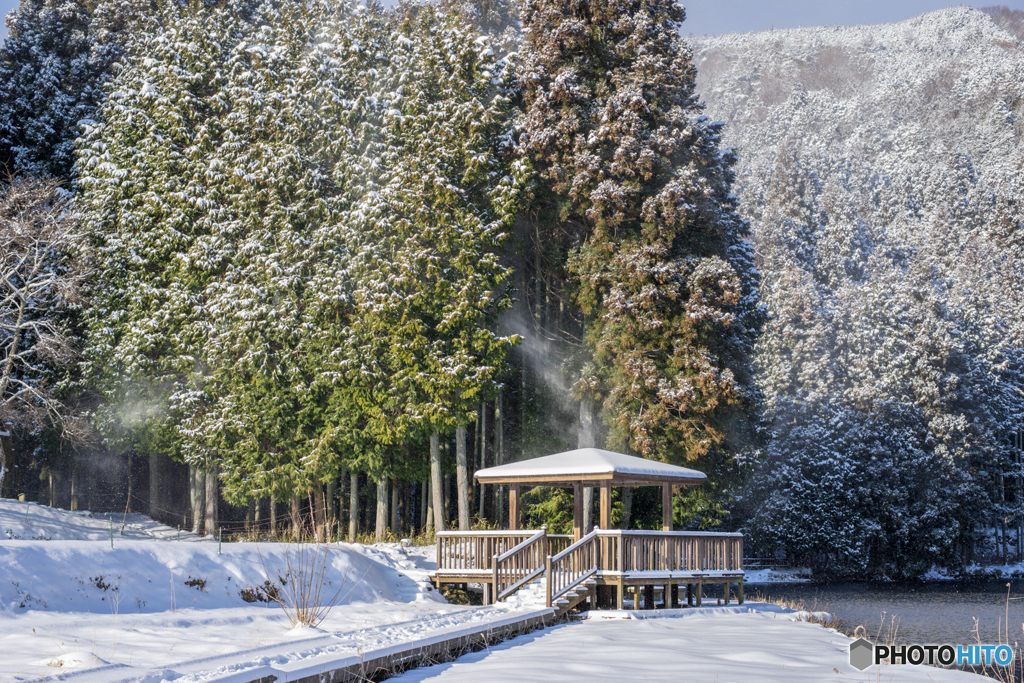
(881, 170)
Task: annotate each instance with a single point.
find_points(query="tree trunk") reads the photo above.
(627, 506)
(74, 484)
(406, 521)
(438, 521)
(197, 497)
(296, 518)
(331, 507)
(273, 517)
(155, 503)
(462, 472)
(211, 501)
(3, 461)
(426, 516)
(353, 507)
(587, 439)
(481, 511)
(447, 495)
(395, 493)
(499, 458)
(321, 512)
(382, 509)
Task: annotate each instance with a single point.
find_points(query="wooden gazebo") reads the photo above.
(590, 467)
(573, 568)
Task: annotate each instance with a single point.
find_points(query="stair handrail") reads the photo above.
(510, 565)
(569, 578)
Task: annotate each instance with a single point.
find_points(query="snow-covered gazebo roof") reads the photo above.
(590, 467)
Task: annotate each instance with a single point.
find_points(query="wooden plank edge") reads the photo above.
(383, 664)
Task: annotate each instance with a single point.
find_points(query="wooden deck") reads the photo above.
(506, 561)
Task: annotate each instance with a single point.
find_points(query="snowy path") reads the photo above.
(740, 644)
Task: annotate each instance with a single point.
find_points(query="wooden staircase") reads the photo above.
(574, 597)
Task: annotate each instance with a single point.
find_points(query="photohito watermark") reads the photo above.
(863, 654)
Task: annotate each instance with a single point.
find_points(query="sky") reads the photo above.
(727, 16)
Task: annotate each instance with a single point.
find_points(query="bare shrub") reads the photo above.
(305, 593)
(44, 273)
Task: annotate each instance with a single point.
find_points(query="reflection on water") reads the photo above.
(940, 612)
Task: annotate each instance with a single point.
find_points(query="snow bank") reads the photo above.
(794, 575)
(34, 522)
(157, 576)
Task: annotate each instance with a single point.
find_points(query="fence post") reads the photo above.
(547, 581)
(495, 591)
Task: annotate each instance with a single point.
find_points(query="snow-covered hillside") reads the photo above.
(880, 168)
(944, 82)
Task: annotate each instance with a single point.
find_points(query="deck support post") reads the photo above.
(700, 592)
(619, 590)
(513, 507)
(726, 584)
(689, 595)
(487, 594)
(672, 589)
(577, 511)
(666, 507)
(739, 591)
(649, 596)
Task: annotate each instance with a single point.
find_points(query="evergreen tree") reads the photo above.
(49, 81)
(421, 351)
(633, 174)
(222, 236)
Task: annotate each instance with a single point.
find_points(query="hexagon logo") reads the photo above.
(861, 654)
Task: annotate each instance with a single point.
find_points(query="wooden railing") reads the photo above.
(571, 567)
(509, 560)
(473, 550)
(684, 551)
(520, 565)
(558, 542)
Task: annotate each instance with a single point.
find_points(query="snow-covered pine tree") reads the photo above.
(426, 270)
(427, 279)
(217, 188)
(49, 81)
(635, 175)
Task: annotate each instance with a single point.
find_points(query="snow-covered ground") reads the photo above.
(33, 522)
(73, 602)
(763, 643)
(155, 609)
(794, 575)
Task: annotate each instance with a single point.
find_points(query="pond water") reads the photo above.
(939, 612)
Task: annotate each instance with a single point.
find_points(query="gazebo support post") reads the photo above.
(606, 505)
(513, 507)
(666, 507)
(577, 511)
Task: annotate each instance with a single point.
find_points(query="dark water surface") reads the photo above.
(938, 612)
